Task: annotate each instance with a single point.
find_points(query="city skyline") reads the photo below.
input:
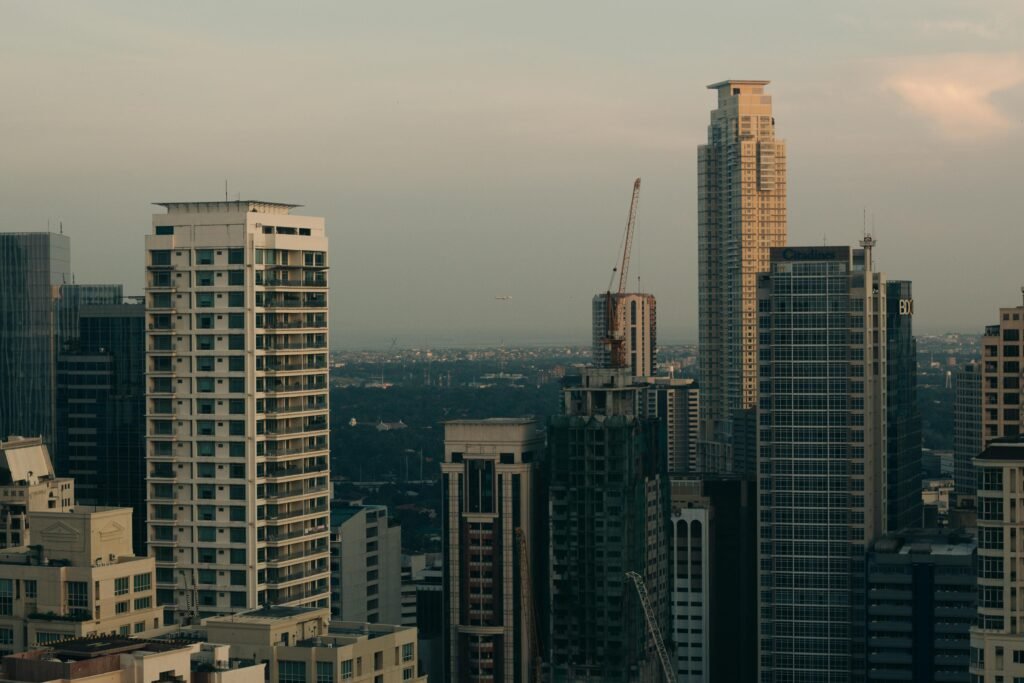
(485, 146)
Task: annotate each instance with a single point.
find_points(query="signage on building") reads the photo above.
(906, 307)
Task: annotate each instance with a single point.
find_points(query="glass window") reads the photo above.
(325, 672)
(346, 669)
(78, 595)
(204, 257)
(236, 257)
(236, 277)
(121, 585)
(208, 534)
(291, 671)
(121, 607)
(236, 321)
(31, 589)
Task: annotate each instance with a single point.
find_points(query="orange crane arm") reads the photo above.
(630, 224)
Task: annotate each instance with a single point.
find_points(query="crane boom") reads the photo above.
(652, 626)
(526, 595)
(630, 225)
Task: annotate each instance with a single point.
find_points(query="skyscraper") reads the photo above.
(967, 426)
(997, 634)
(1001, 375)
(903, 421)
(674, 403)
(33, 268)
(101, 423)
(636, 324)
(490, 507)
(822, 458)
(366, 564)
(237, 414)
(608, 498)
(741, 216)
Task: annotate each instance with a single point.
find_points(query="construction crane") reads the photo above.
(652, 627)
(191, 598)
(526, 595)
(614, 338)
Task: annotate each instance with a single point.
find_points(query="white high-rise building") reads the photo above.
(237, 414)
(741, 216)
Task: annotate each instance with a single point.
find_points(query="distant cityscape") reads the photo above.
(195, 487)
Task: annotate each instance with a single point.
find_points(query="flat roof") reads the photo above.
(1010, 448)
(736, 81)
(265, 615)
(247, 202)
(89, 647)
(494, 420)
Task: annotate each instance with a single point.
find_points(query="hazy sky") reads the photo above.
(465, 150)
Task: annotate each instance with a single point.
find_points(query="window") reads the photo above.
(236, 257)
(143, 603)
(237, 556)
(236, 277)
(346, 670)
(124, 630)
(208, 534)
(237, 512)
(47, 637)
(407, 652)
(325, 672)
(121, 585)
(122, 607)
(31, 589)
(291, 671)
(239, 600)
(6, 597)
(408, 673)
(165, 230)
(236, 321)
(204, 257)
(237, 533)
(236, 363)
(378, 661)
(139, 627)
(236, 299)
(160, 257)
(78, 594)
(6, 636)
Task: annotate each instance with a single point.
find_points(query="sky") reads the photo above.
(466, 150)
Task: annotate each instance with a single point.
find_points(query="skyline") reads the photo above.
(462, 153)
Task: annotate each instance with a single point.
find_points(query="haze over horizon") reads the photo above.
(465, 151)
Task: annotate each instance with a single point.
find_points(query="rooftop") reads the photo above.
(1008, 448)
(735, 81)
(267, 615)
(927, 542)
(244, 205)
(494, 421)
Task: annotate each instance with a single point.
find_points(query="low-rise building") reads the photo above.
(79, 579)
(105, 659)
(28, 484)
(302, 645)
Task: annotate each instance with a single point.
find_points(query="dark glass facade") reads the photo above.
(101, 411)
(903, 420)
(33, 268)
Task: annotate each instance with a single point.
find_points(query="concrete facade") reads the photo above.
(302, 645)
(79, 578)
(741, 216)
(28, 484)
(237, 407)
(997, 638)
(490, 471)
(636, 324)
(675, 403)
(366, 572)
(967, 426)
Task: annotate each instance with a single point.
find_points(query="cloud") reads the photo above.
(954, 92)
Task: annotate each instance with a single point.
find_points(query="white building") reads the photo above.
(366, 565)
(237, 407)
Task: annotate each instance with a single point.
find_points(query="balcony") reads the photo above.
(297, 551)
(295, 575)
(296, 533)
(301, 512)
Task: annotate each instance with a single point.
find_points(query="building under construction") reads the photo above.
(608, 506)
(635, 323)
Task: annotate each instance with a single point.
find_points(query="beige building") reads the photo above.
(115, 659)
(997, 636)
(79, 578)
(28, 484)
(302, 645)
(237, 407)
(675, 403)
(741, 216)
(635, 328)
(490, 473)
(1001, 376)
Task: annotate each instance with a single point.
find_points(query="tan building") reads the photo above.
(237, 407)
(109, 659)
(1001, 376)
(366, 564)
(490, 474)
(28, 484)
(741, 216)
(997, 643)
(302, 645)
(636, 328)
(80, 578)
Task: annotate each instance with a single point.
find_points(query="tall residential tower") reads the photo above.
(237, 417)
(741, 216)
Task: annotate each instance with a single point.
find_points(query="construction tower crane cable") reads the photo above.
(652, 626)
(630, 225)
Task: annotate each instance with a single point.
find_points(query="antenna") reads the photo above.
(864, 222)
(225, 189)
(62, 227)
